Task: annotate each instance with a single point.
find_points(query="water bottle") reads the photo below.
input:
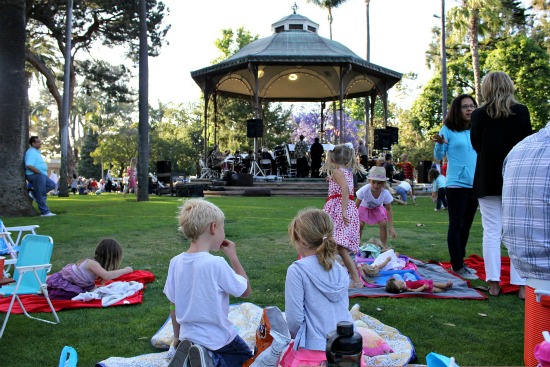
(344, 346)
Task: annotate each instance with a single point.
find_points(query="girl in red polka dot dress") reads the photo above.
(340, 167)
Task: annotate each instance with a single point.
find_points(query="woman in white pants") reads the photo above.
(497, 126)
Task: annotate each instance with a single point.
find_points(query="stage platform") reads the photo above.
(275, 186)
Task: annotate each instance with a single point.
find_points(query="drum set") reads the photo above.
(232, 164)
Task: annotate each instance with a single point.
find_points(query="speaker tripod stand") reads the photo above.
(255, 169)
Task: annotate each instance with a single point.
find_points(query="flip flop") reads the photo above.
(481, 288)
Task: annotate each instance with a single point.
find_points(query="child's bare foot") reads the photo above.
(356, 284)
(448, 285)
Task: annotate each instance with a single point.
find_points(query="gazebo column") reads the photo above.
(253, 68)
(323, 104)
(206, 97)
(208, 89)
(343, 71)
(367, 123)
(215, 100)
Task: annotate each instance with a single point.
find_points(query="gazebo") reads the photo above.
(296, 64)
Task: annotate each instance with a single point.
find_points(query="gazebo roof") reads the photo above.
(296, 64)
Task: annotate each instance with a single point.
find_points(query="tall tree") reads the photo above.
(367, 13)
(466, 21)
(329, 5)
(529, 67)
(143, 153)
(14, 125)
(96, 21)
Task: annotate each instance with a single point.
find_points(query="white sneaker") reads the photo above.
(199, 357)
(50, 214)
(181, 356)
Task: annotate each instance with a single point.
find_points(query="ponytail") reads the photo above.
(313, 229)
(326, 252)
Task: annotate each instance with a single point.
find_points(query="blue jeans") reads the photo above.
(401, 191)
(41, 185)
(462, 206)
(233, 354)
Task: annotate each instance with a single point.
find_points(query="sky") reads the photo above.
(401, 31)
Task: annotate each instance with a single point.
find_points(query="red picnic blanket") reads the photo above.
(37, 303)
(476, 262)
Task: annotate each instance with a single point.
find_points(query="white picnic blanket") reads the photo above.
(111, 293)
(246, 318)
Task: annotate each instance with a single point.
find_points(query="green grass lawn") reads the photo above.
(477, 333)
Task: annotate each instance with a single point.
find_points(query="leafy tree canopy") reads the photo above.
(529, 67)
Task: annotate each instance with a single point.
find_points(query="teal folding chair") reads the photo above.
(34, 259)
(9, 246)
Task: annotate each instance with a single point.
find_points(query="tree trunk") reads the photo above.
(330, 21)
(14, 123)
(367, 5)
(50, 77)
(143, 144)
(474, 48)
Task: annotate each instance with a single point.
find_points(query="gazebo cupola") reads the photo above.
(294, 22)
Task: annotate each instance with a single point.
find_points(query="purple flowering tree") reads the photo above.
(308, 124)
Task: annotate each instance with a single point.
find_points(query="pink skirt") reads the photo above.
(372, 216)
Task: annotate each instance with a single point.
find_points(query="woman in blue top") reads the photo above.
(454, 141)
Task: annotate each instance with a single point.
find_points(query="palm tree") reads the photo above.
(465, 20)
(328, 4)
(14, 122)
(367, 5)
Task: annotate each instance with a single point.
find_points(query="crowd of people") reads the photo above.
(479, 144)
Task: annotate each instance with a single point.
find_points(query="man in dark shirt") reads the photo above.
(316, 152)
(300, 152)
(390, 169)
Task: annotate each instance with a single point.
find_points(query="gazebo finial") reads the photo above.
(294, 7)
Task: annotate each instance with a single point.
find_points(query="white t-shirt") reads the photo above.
(369, 201)
(405, 186)
(199, 284)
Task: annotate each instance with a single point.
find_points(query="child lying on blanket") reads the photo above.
(396, 286)
(78, 278)
(388, 259)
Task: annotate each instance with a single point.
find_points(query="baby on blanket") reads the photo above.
(397, 284)
(385, 259)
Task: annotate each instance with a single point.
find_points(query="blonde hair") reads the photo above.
(133, 162)
(376, 241)
(370, 270)
(313, 228)
(342, 156)
(196, 215)
(497, 90)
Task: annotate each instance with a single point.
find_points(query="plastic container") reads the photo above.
(344, 346)
(537, 320)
